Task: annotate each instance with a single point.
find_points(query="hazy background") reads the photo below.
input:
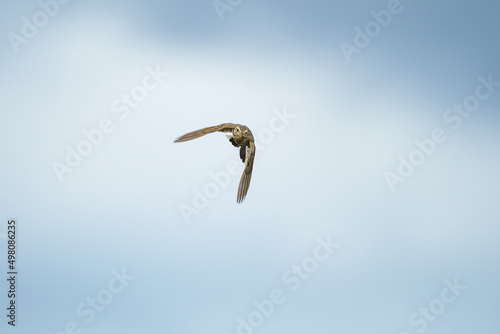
(322, 175)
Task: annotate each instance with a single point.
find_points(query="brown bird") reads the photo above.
(242, 137)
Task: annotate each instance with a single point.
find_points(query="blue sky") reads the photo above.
(373, 202)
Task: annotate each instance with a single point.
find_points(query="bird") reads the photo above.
(241, 137)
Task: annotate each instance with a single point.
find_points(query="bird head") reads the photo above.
(237, 131)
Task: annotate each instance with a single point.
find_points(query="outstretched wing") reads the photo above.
(247, 173)
(226, 127)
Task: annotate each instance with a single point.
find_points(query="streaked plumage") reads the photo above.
(241, 137)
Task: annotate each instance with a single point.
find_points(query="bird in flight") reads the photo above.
(241, 137)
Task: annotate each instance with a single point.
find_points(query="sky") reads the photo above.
(373, 205)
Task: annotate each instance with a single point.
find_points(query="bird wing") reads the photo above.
(247, 173)
(226, 127)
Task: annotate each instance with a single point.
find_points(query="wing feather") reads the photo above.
(247, 174)
(226, 127)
